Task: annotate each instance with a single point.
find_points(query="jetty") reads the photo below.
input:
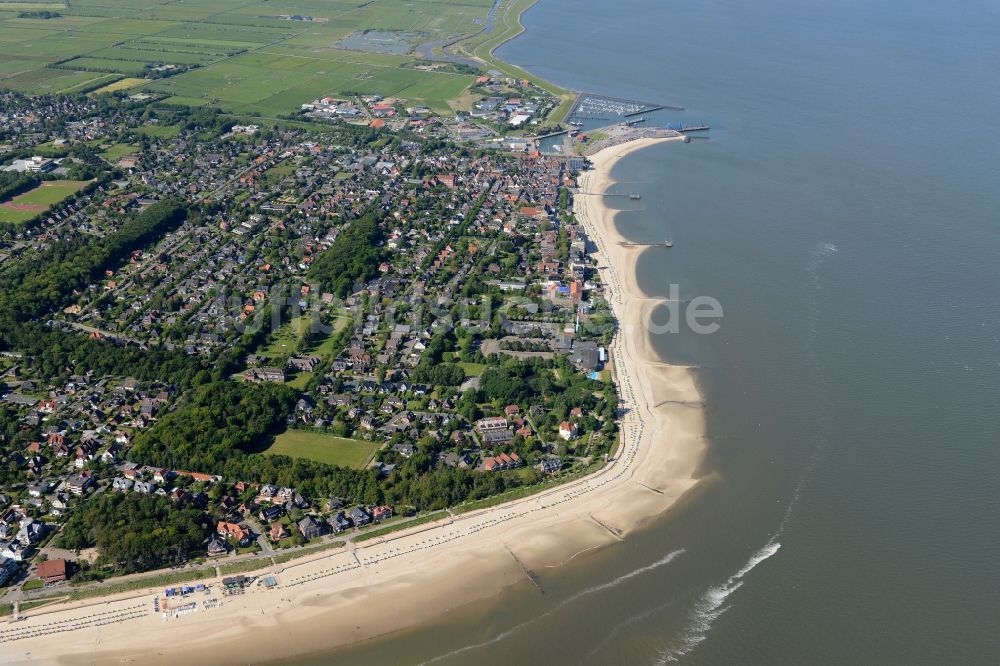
(656, 244)
(634, 195)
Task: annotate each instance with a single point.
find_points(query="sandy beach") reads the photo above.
(411, 577)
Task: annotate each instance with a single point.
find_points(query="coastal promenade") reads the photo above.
(413, 576)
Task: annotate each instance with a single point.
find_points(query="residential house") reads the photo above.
(78, 484)
(340, 523)
(359, 516)
(217, 547)
(242, 535)
(277, 532)
(310, 528)
(122, 484)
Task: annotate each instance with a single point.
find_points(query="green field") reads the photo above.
(286, 340)
(324, 448)
(38, 200)
(118, 151)
(472, 369)
(120, 84)
(245, 58)
(50, 192)
(160, 131)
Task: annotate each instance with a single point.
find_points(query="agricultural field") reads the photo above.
(320, 447)
(264, 57)
(34, 202)
(121, 84)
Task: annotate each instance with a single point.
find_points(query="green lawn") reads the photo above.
(50, 192)
(160, 131)
(472, 369)
(38, 200)
(325, 346)
(16, 216)
(300, 381)
(286, 340)
(324, 448)
(118, 151)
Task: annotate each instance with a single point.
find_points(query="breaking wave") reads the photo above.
(666, 559)
(712, 604)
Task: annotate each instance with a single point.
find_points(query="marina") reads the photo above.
(589, 106)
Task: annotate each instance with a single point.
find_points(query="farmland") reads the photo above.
(324, 448)
(264, 57)
(38, 200)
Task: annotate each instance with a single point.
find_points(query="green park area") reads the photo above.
(287, 341)
(324, 448)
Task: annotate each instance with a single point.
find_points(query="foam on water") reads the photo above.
(666, 559)
(711, 606)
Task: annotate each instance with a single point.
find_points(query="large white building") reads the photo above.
(36, 164)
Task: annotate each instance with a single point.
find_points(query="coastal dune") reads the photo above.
(412, 577)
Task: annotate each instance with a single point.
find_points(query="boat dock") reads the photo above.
(601, 107)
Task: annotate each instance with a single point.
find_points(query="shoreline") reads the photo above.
(413, 576)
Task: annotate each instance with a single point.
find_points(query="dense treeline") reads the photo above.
(222, 427)
(13, 440)
(443, 374)
(219, 420)
(506, 384)
(13, 183)
(136, 532)
(44, 14)
(55, 354)
(35, 286)
(353, 257)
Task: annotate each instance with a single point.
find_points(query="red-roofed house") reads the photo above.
(241, 534)
(51, 571)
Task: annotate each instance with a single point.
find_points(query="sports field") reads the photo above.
(324, 448)
(262, 56)
(34, 202)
